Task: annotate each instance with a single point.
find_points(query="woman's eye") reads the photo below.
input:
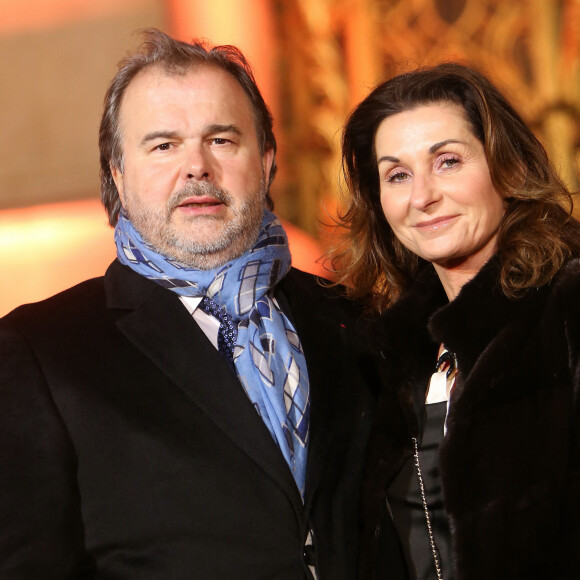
(397, 177)
(447, 162)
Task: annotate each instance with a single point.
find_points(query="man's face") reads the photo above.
(193, 180)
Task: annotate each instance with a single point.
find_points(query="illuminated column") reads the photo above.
(247, 24)
(363, 58)
(557, 84)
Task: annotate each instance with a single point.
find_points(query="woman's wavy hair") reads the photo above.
(533, 243)
(175, 58)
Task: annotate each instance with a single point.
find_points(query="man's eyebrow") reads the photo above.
(159, 135)
(209, 130)
(217, 128)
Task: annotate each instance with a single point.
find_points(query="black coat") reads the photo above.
(510, 462)
(128, 449)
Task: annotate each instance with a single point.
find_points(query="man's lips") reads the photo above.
(435, 223)
(200, 202)
(201, 206)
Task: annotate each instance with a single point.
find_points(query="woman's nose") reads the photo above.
(424, 192)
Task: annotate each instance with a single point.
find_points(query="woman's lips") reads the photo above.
(435, 223)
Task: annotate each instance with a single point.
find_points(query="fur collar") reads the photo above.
(423, 317)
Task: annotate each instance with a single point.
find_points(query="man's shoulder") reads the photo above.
(119, 288)
(311, 286)
(72, 303)
(299, 277)
(310, 297)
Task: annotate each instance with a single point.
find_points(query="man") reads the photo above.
(198, 412)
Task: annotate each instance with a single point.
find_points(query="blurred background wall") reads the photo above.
(314, 60)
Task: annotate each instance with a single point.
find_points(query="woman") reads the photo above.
(460, 234)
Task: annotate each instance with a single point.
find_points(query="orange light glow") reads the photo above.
(49, 248)
(39, 14)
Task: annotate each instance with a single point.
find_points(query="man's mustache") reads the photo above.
(202, 189)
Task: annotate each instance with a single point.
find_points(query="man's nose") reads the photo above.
(197, 164)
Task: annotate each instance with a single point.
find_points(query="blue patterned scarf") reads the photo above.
(268, 356)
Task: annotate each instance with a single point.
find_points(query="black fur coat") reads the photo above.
(510, 461)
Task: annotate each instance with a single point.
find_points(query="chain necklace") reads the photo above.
(448, 362)
(434, 549)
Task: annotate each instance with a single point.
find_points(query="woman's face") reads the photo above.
(435, 186)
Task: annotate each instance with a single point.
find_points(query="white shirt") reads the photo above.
(208, 323)
(439, 390)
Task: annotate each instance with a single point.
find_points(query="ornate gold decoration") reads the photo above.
(336, 50)
(314, 100)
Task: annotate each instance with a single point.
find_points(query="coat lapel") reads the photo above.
(324, 337)
(159, 326)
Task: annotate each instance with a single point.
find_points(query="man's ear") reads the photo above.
(117, 175)
(267, 162)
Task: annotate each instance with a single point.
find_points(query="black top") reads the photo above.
(404, 496)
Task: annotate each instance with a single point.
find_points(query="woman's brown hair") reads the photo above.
(533, 243)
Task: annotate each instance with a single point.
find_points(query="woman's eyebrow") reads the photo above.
(436, 146)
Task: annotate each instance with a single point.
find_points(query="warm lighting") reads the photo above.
(41, 14)
(48, 248)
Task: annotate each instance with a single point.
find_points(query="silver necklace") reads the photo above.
(434, 549)
(446, 358)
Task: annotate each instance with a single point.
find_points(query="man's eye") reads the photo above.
(220, 141)
(163, 146)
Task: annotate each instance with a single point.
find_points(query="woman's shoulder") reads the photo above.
(566, 284)
(564, 303)
(566, 300)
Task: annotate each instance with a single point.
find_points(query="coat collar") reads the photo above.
(424, 316)
(471, 326)
(469, 323)
(156, 322)
(482, 314)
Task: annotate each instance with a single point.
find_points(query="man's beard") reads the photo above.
(236, 236)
